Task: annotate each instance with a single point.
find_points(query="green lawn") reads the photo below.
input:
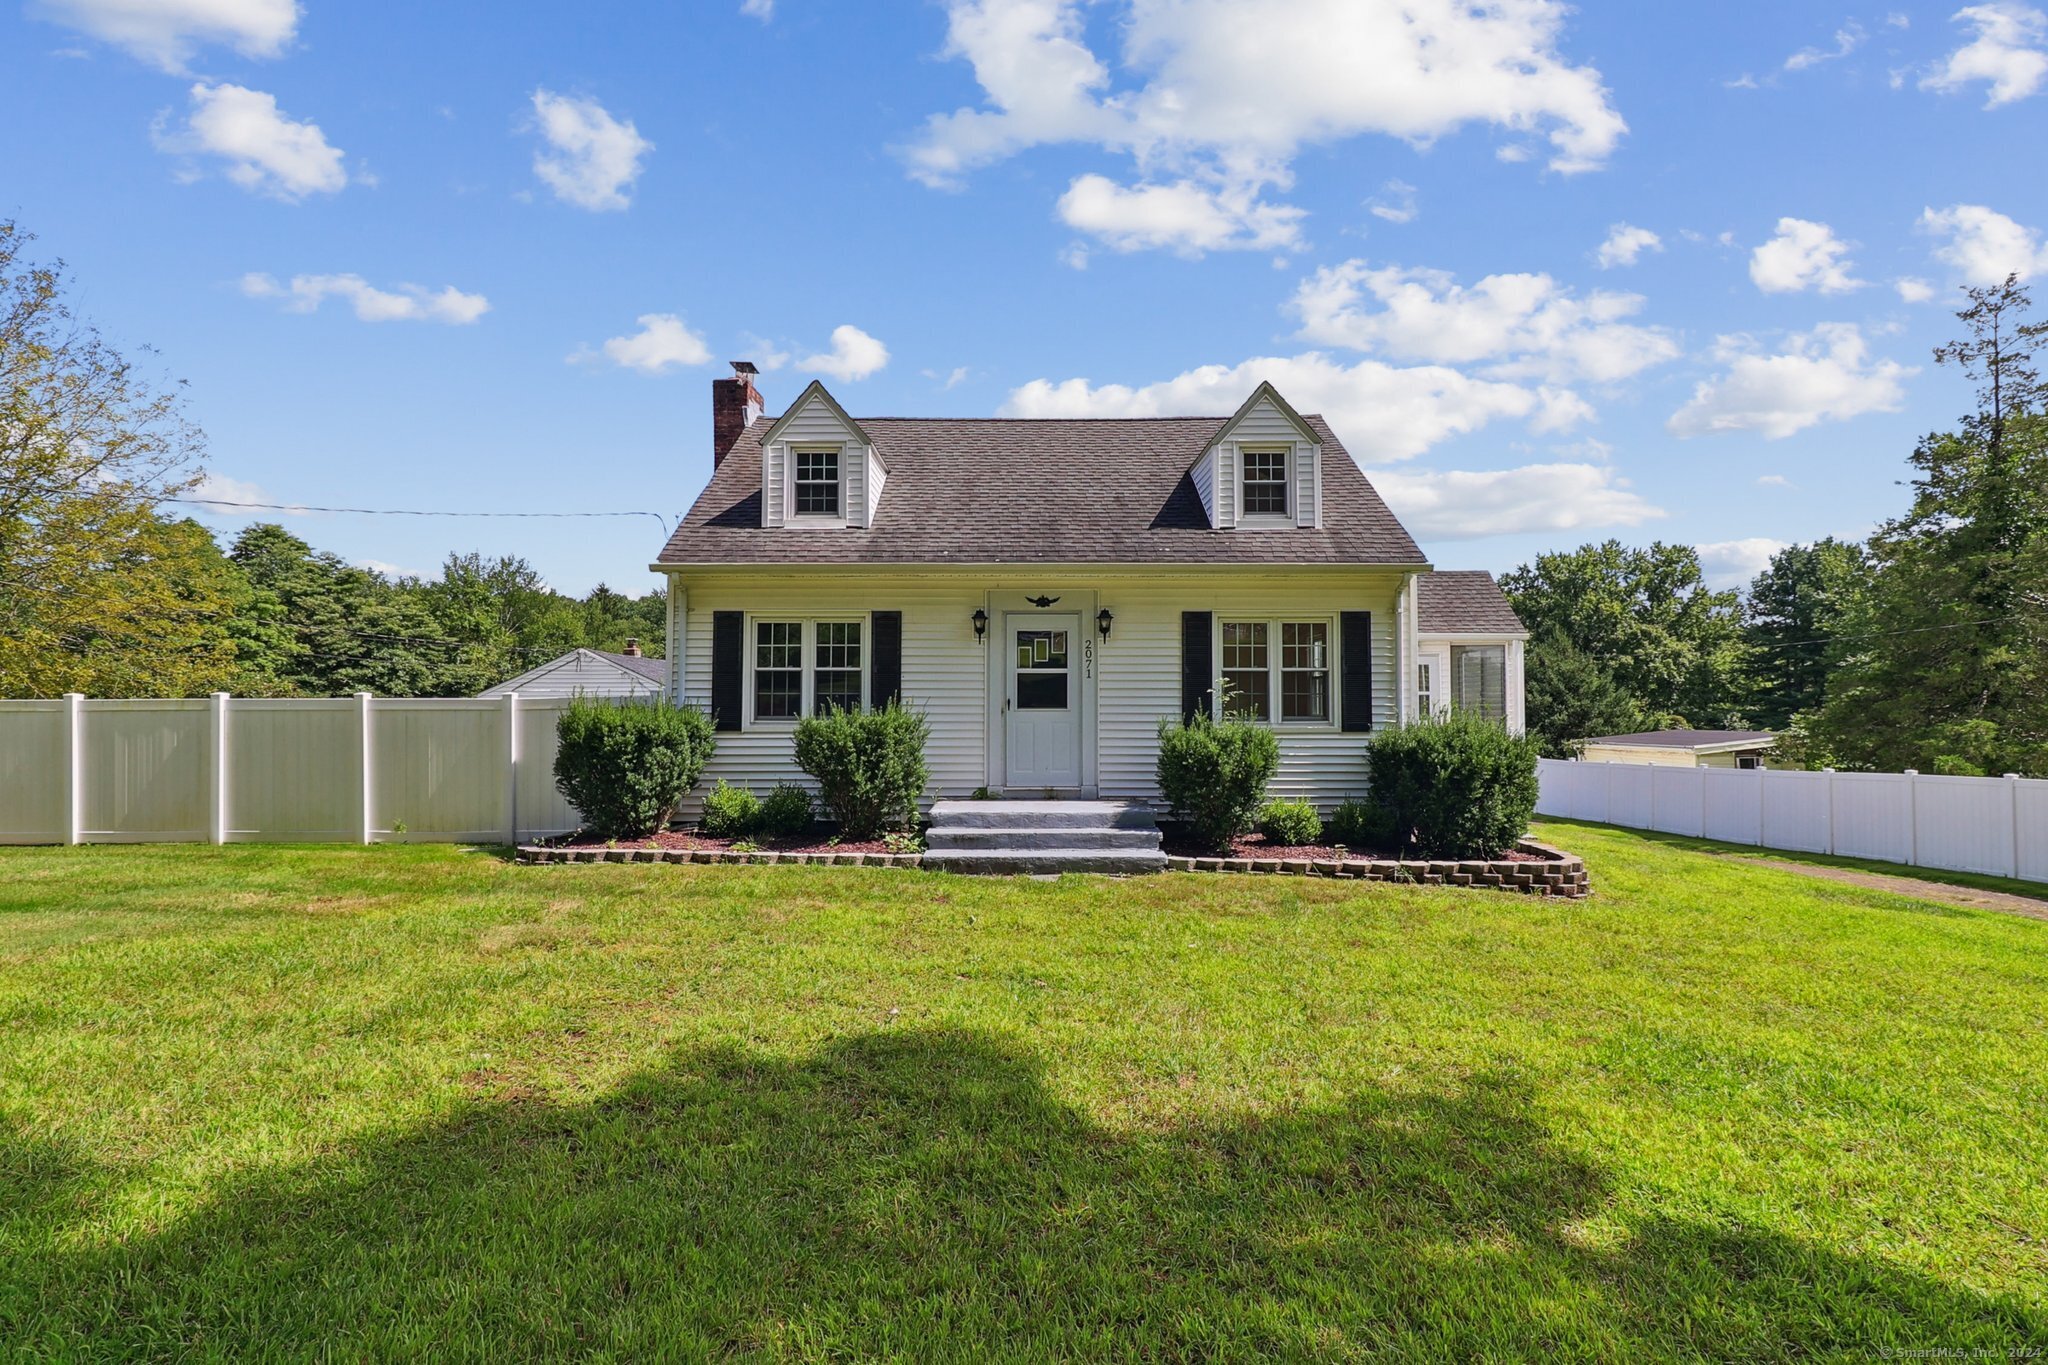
(415, 1101)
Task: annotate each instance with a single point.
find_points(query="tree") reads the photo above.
(99, 592)
(1945, 658)
(1794, 609)
(1646, 616)
(1570, 696)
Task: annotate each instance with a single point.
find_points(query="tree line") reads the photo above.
(1924, 647)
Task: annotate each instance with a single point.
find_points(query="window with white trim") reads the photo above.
(1263, 477)
(1296, 674)
(816, 481)
(1479, 679)
(801, 667)
(1425, 695)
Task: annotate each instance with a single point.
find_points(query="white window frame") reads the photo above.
(1454, 684)
(1425, 687)
(795, 455)
(807, 654)
(1275, 668)
(1288, 457)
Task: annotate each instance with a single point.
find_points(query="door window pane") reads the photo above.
(1305, 670)
(1246, 670)
(1041, 691)
(1042, 670)
(836, 681)
(778, 669)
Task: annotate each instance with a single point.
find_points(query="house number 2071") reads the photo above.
(1088, 660)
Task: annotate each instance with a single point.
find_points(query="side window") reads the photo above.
(1479, 677)
(1425, 694)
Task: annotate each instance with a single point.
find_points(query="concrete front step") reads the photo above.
(1012, 862)
(1042, 815)
(940, 840)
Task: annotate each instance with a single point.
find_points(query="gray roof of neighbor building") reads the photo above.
(1463, 602)
(1038, 491)
(1686, 739)
(654, 669)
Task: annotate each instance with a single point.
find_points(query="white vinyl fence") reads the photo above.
(1995, 825)
(222, 769)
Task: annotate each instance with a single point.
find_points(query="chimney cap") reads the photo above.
(632, 649)
(744, 367)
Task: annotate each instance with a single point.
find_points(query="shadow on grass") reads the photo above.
(923, 1195)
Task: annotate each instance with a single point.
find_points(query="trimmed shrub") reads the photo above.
(786, 814)
(1214, 775)
(729, 812)
(1464, 786)
(626, 765)
(869, 766)
(1363, 824)
(1290, 822)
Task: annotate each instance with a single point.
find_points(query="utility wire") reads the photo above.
(398, 511)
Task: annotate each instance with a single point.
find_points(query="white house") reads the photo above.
(589, 673)
(1046, 591)
(1683, 748)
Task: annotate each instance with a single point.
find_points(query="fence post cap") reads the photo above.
(1912, 772)
(2014, 776)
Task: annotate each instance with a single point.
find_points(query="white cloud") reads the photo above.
(662, 343)
(1773, 481)
(1523, 326)
(226, 497)
(1826, 375)
(167, 32)
(1463, 504)
(764, 10)
(854, 355)
(1803, 256)
(1396, 202)
(1848, 38)
(1734, 563)
(1625, 244)
(1382, 411)
(264, 151)
(1187, 114)
(2006, 53)
(953, 379)
(1913, 290)
(1983, 245)
(591, 159)
(408, 303)
(387, 569)
(766, 355)
(1184, 217)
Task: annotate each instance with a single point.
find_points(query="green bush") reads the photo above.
(1290, 822)
(786, 814)
(1364, 825)
(1463, 785)
(1214, 775)
(729, 812)
(869, 766)
(625, 765)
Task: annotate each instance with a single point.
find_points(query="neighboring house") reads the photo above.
(1047, 591)
(1683, 748)
(591, 673)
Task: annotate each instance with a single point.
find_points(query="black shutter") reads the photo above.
(1357, 685)
(1197, 664)
(885, 665)
(728, 669)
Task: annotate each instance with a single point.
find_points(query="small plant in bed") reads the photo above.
(626, 765)
(787, 812)
(1462, 786)
(869, 766)
(730, 812)
(1364, 826)
(1290, 823)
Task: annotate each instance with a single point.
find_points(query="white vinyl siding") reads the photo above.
(1137, 669)
(815, 425)
(1266, 427)
(1204, 476)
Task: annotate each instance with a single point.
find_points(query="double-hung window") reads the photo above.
(1479, 680)
(1425, 693)
(801, 667)
(1265, 482)
(816, 481)
(1283, 661)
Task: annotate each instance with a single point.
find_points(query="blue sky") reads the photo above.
(1554, 273)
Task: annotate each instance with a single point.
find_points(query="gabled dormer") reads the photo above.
(1264, 469)
(819, 470)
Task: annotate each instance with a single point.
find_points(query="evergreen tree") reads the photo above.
(1794, 608)
(1571, 696)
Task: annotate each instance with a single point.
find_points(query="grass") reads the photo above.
(413, 1101)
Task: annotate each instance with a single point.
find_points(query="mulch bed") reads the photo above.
(690, 841)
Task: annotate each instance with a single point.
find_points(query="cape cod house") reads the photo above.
(1046, 591)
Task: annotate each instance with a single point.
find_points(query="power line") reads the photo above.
(398, 511)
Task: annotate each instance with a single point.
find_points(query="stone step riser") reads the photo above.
(1044, 840)
(1046, 819)
(993, 862)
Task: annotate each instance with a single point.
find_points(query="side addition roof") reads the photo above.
(1689, 739)
(1464, 602)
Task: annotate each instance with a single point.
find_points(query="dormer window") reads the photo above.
(817, 481)
(1265, 482)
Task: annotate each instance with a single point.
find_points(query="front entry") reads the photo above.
(1042, 704)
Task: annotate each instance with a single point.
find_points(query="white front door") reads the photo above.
(1042, 704)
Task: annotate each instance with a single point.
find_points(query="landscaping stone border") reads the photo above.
(1561, 874)
(541, 853)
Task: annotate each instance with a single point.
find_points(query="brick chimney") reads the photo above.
(632, 649)
(735, 403)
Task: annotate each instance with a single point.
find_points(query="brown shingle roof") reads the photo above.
(1463, 601)
(1038, 491)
